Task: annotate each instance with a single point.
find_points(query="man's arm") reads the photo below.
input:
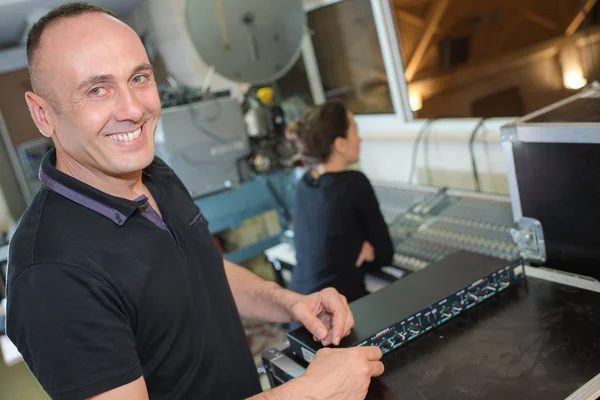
(325, 314)
(257, 298)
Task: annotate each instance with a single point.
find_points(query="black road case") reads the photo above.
(553, 166)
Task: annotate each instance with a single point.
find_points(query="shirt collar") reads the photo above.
(117, 209)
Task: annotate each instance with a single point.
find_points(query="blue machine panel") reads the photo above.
(229, 209)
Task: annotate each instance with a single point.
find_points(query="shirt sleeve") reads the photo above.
(73, 331)
(376, 229)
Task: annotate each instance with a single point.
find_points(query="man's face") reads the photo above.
(105, 102)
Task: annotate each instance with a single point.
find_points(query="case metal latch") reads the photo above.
(529, 237)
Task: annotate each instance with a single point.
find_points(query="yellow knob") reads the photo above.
(265, 95)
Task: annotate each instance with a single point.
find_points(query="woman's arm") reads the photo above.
(376, 229)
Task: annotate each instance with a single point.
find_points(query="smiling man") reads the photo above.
(116, 289)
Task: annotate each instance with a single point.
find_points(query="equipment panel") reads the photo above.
(412, 306)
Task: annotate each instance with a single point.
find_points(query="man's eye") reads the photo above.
(139, 79)
(98, 91)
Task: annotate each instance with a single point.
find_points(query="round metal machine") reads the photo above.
(249, 41)
(254, 42)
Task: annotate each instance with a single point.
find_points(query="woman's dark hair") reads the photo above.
(316, 135)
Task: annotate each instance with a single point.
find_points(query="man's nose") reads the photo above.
(128, 107)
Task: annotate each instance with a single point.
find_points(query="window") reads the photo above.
(349, 56)
(462, 57)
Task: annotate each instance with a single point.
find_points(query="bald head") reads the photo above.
(38, 32)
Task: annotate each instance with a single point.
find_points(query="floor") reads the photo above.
(17, 383)
(261, 335)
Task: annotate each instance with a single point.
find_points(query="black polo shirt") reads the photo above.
(101, 291)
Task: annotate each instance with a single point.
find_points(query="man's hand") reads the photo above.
(325, 314)
(342, 373)
(367, 253)
(334, 374)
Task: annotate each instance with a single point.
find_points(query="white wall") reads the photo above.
(387, 148)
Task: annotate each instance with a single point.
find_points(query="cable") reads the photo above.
(415, 150)
(486, 145)
(472, 152)
(426, 155)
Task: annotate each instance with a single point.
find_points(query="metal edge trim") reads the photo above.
(564, 278)
(500, 198)
(556, 134)
(591, 388)
(382, 184)
(511, 175)
(313, 74)
(552, 106)
(390, 46)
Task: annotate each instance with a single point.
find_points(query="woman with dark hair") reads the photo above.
(338, 227)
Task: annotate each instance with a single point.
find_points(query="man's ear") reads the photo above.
(40, 112)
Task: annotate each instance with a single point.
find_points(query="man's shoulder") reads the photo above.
(22, 243)
(40, 236)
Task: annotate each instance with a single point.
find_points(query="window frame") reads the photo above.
(387, 34)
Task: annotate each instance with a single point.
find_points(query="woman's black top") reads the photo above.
(333, 215)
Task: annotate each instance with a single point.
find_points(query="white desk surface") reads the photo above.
(286, 253)
(3, 253)
(283, 252)
(10, 354)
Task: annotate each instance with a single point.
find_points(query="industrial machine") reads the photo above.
(213, 141)
(266, 120)
(254, 41)
(233, 155)
(204, 142)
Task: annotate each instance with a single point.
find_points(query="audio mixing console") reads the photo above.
(427, 225)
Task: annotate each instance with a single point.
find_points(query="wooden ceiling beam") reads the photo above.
(572, 28)
(414, 20)
(532, 16)
(542, 21)
(434, 16)
(410, 18)
(410, 3)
